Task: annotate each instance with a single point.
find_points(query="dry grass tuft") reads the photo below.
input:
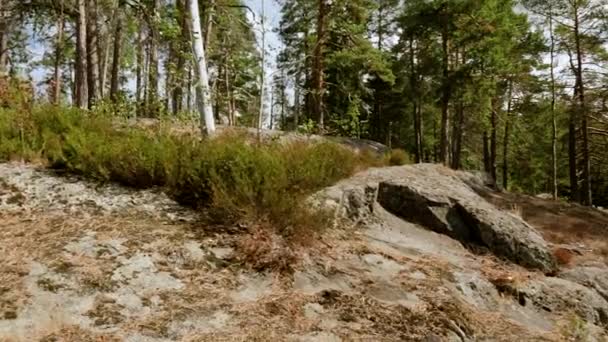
(76, 334)
(264, 250)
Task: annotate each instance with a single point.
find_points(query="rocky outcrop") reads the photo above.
(592, 276)
(562, 296)
(443, 201)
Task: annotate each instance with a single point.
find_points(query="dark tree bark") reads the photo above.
(505, 147)
(457, 136)
(586, 198)
(152, 100)
(553, 102)
(92, 35)
(318, 84)
(445, 97)
(415, 104)
(487, 165)
(493, 140)
(184, 47)
(115, 74)
(3, 46)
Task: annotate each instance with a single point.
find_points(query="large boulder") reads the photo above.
(463, 215)
(444, 201)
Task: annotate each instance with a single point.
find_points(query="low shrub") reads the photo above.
(229, 175)
(398, 157)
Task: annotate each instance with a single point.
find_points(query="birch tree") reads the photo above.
(202, 87)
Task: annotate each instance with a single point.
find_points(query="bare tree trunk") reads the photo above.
(92, 53)
(586, 198)
(139, 71)
(178, 90)
(297, 104)
(3, 50)
(487, 166)
(153, 103)
(204, 98)
(114, 80)
(445, 99)
(553, 118)
(209, 13)
(493, 141)
(58, 58)
(318, 86)
(457, 136)
(104, 44)
(81, 91)
(505, 147)
(415, 104)
(3, 46)
(4, 36)
(262, 74)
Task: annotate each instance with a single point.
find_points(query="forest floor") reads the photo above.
(87, 262)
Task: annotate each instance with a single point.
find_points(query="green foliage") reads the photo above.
(229, 175)
(351, 125)
(308, 127)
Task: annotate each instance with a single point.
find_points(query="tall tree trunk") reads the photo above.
(457, 136)
(493, 140)
(81, 93)
(115, 74)
(553, 118)
(458, 128)
(92, 53)
(318, 86)
(3, 51)
(572, 142)
(104, 44)
(153, 102)
(297, 105)
(582, 111)
(4, 36)
(415, 103)
(139, 71)
(3, 44)
(209, 14)
(189, 88)
(505, 147)
(229, 96)
(263, 73)
(204, 98)
(487, 166)
(445, 97)
(178, 90)
(58, 58)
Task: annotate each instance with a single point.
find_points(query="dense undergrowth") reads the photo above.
(231, 175)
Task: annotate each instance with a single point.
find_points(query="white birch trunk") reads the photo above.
(202, 87)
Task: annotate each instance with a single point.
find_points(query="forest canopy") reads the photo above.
(515, 88)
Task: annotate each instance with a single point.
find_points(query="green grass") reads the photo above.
(230, 176)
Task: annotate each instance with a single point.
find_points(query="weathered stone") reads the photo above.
(506, 235)
(561, 296)
(595, 277)
(465, 216)
(444, 201)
